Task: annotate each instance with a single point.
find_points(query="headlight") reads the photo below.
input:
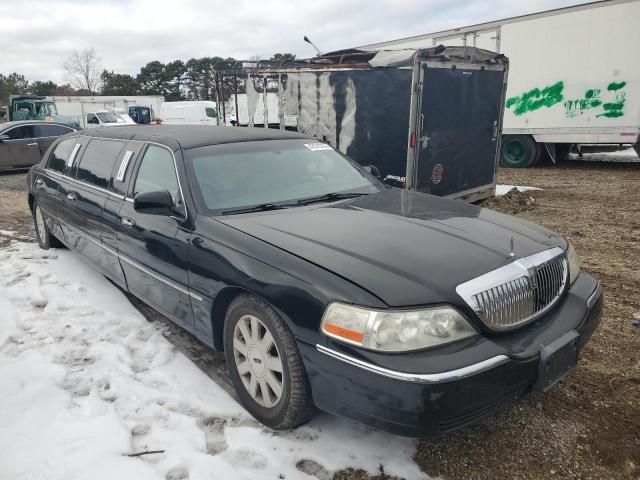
(573, 262)
(395, 330)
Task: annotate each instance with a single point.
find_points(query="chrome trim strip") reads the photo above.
(123, 165)
(92, 240)
(72, 157)
(135, 264)
(595, 296)
(417, 377)
(83, 184)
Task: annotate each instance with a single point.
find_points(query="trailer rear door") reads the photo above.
(459, 127)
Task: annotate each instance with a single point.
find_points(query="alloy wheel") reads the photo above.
(258, 361)
(42, 229)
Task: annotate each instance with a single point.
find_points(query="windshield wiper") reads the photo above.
(257, 208)
(330, 197)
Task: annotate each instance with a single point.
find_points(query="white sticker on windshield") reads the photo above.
(314, 147)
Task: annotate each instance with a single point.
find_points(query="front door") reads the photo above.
(460, 124)
(154, 249)
(21, 149)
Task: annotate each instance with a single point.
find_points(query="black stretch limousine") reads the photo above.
(412, 313)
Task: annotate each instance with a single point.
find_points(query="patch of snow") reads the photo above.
(86, 379)
(7, 233)
(622, 156)
(502, 189)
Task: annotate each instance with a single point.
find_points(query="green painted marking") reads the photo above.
(536, 98)
(613, 86)
(574, 108)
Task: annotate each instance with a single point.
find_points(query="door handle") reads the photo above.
(34, 144)
(127, 222)
(72, 196)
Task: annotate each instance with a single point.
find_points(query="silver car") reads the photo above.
(23, 143)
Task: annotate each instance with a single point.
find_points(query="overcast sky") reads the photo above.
(39, 34)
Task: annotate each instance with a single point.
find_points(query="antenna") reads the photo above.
(306, 39)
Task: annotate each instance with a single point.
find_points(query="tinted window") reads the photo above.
(22, 132)
(157, 172)
(98, 160)
(60, 154)
(210, 112)
(51, 130)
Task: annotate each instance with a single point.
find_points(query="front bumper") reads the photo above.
(429, 393)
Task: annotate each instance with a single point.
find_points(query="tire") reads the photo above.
(519, 151)
(636, 147)
(248, 321)
(44, 237)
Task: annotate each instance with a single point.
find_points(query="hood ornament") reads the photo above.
(511, 252)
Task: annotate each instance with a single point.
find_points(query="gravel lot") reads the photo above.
(587, 427)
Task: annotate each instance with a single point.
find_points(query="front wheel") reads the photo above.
(519, 151)
(265, 364)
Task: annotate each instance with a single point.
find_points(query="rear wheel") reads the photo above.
(519, 151)
(43, 236)
(265, 365)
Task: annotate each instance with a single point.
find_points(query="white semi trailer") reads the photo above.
(574, 76)
(82, 108)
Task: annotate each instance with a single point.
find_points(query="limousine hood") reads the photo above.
(404, 247)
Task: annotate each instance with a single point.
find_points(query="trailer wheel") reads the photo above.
(519, 151)
(637, 148)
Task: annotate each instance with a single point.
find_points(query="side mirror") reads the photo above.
(373, 170)
(4, 137)
(156, 202)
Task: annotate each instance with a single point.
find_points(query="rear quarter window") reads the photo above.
(98, 160)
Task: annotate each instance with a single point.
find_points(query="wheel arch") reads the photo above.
(219, 312)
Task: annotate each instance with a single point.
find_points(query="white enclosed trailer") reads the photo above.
(574, 76)
(78, 106)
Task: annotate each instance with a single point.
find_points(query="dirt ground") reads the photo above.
(588, 426)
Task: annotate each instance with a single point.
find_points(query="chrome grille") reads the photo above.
(517, 293)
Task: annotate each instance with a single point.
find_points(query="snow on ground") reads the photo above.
(618, 156)
(503, 189)
(86, 379)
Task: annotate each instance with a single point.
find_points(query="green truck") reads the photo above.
(35, 107)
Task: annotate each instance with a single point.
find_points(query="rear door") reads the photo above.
(21, 149)
(47, 133)
(459, 127)
(83, 197)
(154, 249)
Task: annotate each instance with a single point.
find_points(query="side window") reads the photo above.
(158, 172)
(22, 132)
(51, 130)
(211, 113)
(92, 119)
(98, 160)
(61, 154)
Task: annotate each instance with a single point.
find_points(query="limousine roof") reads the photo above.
(191, 136)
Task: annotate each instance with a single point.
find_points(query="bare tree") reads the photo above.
(83, 69)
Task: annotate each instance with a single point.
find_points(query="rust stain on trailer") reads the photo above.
(536, 98)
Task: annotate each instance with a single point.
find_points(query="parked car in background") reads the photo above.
(409, 312)
(195, 112)
(23, 143)
(107, 118)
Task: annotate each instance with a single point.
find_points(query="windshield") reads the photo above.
(109, 117)
(243, 174)
(46, 109)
